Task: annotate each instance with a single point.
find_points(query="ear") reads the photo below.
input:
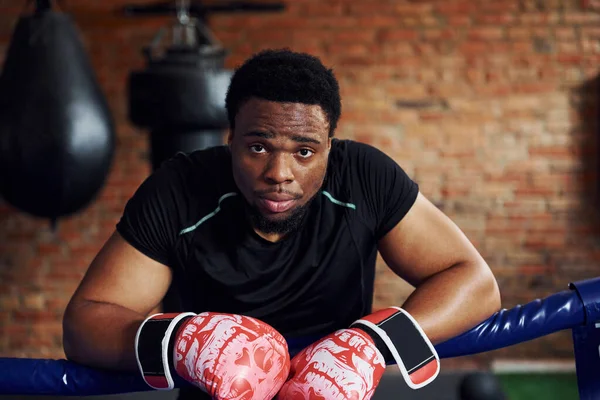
(229, 137)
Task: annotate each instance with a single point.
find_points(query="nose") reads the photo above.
(279, 169)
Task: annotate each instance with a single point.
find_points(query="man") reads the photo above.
(276, 234)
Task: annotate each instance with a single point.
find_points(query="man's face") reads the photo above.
(280, 153)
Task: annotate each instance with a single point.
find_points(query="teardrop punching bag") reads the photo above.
(56, 132)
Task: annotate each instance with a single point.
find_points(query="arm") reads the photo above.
(455, 288)
(111, 306)
(121, 287)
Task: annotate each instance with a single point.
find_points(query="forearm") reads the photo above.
(101, 335)
(454, 300)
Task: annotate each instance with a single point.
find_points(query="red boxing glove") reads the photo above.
(348, 364)
(401, 340)
(343, 365)
(228, 356)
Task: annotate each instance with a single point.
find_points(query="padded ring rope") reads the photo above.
(576, 308)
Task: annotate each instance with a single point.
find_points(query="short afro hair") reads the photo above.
(282, 75)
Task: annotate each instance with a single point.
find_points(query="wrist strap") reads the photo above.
(400, 338)
(153, 348)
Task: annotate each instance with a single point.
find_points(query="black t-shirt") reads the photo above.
(189, 215)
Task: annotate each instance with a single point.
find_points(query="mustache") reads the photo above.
(261, 193)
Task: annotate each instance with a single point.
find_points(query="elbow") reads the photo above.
(70, 343)
(488, 291)
(69, 349)
(68, 322)
(70, 332)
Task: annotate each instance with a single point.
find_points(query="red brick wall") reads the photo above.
(492, 106)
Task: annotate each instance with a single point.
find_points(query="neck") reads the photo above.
(271, 237)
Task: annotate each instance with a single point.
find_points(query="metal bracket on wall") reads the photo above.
(200, 10)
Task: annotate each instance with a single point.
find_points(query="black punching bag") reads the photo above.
(180, 95)
(56, 132)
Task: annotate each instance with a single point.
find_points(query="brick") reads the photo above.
(406, 91)
(498, 191)
(590, 46)
(9, 302)
(502, 242)
(377, 22)
(28, 316)
(425, 49)
(589, 32)
(494, 90)
(356, 50)
(353, 36)
(485, 33)
(536, 269)
(48, 249)
(413, 8)
(473, 47)
(554, 152)
(535, 192)
(536, 87)
(34, 301)
(568, 47)
(524, 256)
(371, 8)
(455, 7)
(518, 32)
(495, 7)
(458, 20)
(567, 59)
(533, 18)
(523, 205)
(568, 164)
(590, 4)
(563, 204)
(395, 35)
(521, 46)
(451, 192)
(429, 20)
(269, 37)
(581, 18)
(495, 19)
(545, 240)
(567, 33)
(521, 74)
(324, 9)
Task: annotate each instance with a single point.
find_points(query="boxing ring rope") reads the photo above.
(577, 308)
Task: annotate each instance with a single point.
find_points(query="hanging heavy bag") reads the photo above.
(56, 132)
(182, 102)
(184, 89)
(180, 95)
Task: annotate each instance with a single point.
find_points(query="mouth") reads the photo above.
(276, 206)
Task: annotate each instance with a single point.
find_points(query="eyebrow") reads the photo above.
(295, 138)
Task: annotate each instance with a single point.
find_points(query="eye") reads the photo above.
(257, 148)
(305, 153)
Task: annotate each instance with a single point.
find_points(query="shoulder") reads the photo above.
(373, 181)
(198, 173)
(352, 150)
(189, 184)
(189, 165)
(358, 160)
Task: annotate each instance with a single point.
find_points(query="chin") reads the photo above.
(278, 216)
(280, 223)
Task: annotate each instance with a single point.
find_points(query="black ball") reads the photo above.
(481, 386)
